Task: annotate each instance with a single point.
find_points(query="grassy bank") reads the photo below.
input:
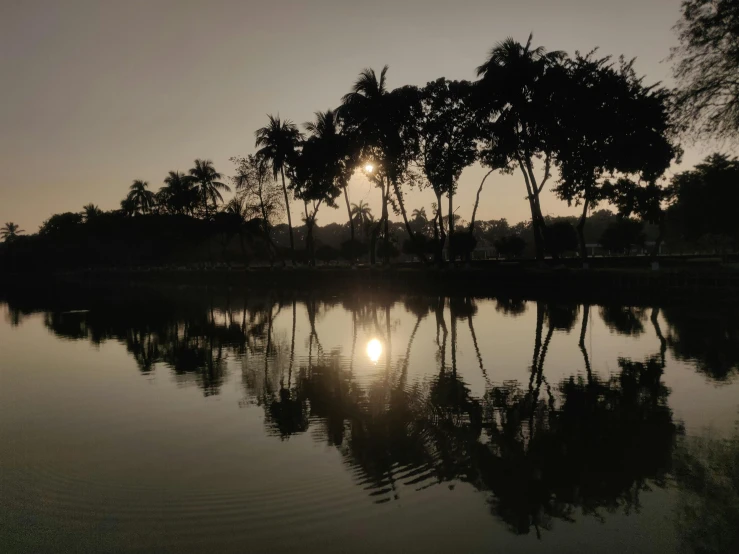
(529, 281)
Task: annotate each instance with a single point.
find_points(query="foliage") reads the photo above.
(257, 187)
(10, 231)
(387, 249)
(60, 224)
(707, 99)
(327, 253)
(516, 113)
(352, 249)
(139, 199)
(178, 195)
(91, 211)
(621, 235)
(510, 246)
(561, 237)
(205, 178)
(447, 131)
(611, 123)
(704, 199)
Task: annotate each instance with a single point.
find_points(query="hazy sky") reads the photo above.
(96, 94)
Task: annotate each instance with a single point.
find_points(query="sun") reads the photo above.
(369, 168)
(374, 350)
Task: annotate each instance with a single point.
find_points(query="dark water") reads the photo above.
(193, 420)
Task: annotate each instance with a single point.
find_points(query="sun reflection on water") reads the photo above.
(374, 350)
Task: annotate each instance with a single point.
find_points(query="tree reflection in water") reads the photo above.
(542, 450)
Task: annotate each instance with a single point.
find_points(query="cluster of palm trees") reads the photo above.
(182, 193)
(534, 111)
(590, 121)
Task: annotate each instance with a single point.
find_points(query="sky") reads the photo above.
(95, 94)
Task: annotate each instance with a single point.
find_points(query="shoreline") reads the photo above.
(518, 280)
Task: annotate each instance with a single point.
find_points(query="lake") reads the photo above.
(191, 419)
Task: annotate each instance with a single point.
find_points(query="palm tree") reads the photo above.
(365, 111)
(514, 80)
(361, 213)
(178, 195)
(141, 199)
(205, 177)
(277, 143)
(420, 216)
(91, 211)
(128, 206)
(327, 128)
(10, 231)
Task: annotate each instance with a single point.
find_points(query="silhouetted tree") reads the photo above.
(381, 124)
(178, 195)
(447, 130)
(139, 198)
(339, 150)
(10, 231)
(60, 224)
(258, 192)
(561, 237)
(622, 234)
(707, 99)
(510, 246)
(321, 170)
(704, 200)
(91, 211)
(278, 142)
(516, 112)
(608, 123)
(205, 178)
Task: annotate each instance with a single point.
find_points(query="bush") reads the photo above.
(510, 246)
(463, 243)
(622, 234)
(560, 237)
(352, 249)
(327, 253)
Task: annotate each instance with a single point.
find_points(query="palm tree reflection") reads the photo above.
(541, 448)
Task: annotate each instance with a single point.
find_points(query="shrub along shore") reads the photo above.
(677, 278)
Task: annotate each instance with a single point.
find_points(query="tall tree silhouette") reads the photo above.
(321, 170)
(277, 143)
(609, 123)
(447, 130)
(381, 123)
(178, 193)
(205, 177)
(140, 198)
(514, 94)
(339, 150)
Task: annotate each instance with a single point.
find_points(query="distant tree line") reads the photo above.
(586, 125)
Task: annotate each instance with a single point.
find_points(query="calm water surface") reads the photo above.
(188, 420)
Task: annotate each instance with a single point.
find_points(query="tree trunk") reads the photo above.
(408, 228)
(658, 241)
(581, 234)
(386, 238)
(439, 233)
(477, 201)
(349, 213)
(451, 227)
(373, 242)
(289, 218)
(535, 223)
